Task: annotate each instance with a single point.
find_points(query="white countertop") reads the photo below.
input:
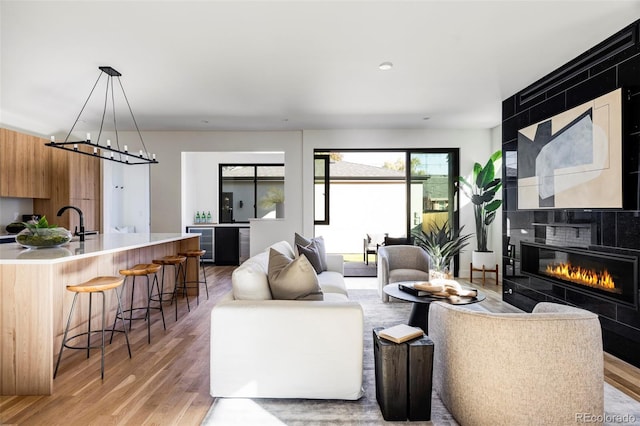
(94, 245)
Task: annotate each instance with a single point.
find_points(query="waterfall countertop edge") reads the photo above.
(95, 245)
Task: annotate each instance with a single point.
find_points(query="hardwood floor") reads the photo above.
(167, 382)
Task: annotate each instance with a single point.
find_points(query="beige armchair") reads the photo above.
(542, 368)
(401, 263)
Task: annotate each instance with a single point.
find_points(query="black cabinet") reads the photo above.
(227, 246)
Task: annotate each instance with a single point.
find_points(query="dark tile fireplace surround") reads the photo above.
(608, 275)
(585, 258)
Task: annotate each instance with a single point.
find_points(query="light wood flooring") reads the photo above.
(167, 382)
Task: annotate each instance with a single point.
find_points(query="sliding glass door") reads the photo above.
(365, 195)
(431, 188)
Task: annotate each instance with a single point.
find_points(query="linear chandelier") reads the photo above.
(106, 151)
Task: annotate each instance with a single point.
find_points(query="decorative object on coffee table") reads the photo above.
(419, 316)
(441, 243)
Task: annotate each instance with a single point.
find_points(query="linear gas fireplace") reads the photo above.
(605, 274)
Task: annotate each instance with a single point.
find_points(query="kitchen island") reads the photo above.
(34, 302)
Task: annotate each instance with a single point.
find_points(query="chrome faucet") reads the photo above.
(81, 234)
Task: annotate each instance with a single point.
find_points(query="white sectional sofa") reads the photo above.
(265, 348)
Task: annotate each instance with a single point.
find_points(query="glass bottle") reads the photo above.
(197, 217)
(209, 219)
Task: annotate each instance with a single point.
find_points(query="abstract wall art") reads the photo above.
(573, 160)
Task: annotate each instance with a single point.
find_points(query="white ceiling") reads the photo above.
(268, 65)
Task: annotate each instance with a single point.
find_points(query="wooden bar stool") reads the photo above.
(139, 270)
(196, 255)
(178, 263)
(94, 285)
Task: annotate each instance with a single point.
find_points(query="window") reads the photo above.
(251, 191)
(321, 189)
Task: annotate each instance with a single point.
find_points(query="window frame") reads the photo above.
(255, 179)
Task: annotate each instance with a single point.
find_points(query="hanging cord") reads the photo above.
(104, 111)
(146, 153)
(83, 106)
(113, 107)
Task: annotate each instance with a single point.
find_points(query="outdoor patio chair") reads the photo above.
(371, 244)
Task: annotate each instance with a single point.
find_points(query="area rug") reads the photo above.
(365, 411)
(360, 269)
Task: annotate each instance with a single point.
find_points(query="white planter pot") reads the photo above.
(483, 258)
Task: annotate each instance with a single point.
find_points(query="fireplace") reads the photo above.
(608, 275)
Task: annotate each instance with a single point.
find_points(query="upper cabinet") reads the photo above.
(52, 177)
(84, 176)
(75, 180)
(25, 165)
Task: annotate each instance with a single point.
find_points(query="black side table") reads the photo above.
(403, 375)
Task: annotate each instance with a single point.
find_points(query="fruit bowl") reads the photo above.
(43, 237)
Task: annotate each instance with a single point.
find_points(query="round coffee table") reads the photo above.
(419, 316)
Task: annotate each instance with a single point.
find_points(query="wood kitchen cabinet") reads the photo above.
(25, 165)
(75, 181)
(52, 177)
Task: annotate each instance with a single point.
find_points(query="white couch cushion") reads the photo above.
(397, 275)
(335, 297)
(332, 282)
(249, 281)
(283, 247)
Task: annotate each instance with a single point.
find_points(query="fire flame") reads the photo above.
(579, 275)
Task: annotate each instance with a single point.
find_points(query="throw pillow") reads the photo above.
(292, 279)
(319, 241)
(312, 254)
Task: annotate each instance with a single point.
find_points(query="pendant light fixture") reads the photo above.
(107, 151)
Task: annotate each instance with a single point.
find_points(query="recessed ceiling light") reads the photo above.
(385, 66)
(285, 119)
(426, 118)
(204, 121)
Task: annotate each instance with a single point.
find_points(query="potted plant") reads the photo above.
(274, 197)
(41, 235)
(482, 190)
(441, 244)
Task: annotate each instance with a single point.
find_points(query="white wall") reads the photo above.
(358, 209)
(168, 184)
(12, 209)
(298, 147)
(125, 196)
